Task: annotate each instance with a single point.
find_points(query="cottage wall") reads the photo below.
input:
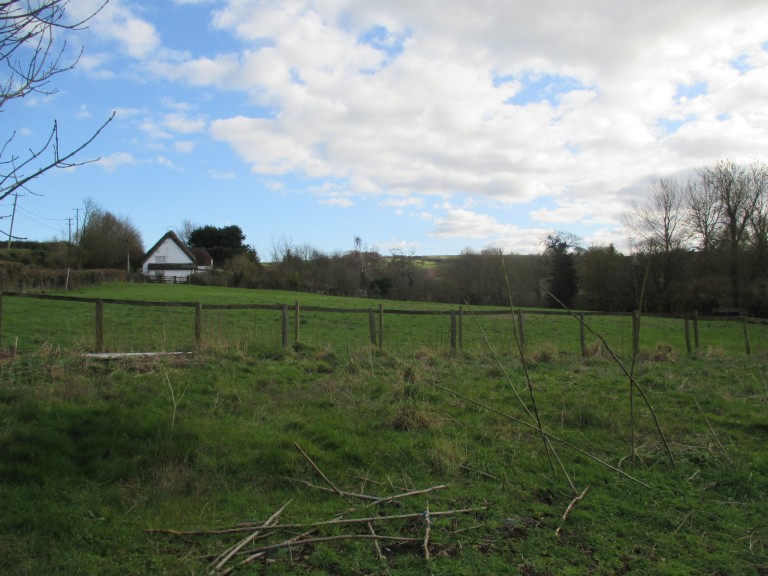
(169, 253)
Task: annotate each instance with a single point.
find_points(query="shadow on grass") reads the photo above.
(52, 444)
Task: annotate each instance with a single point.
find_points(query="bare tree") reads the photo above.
(184, 232)
(30, 58)
(737, 190)
(659, 227)
(659, 224)
(758, 219)
(705, 218)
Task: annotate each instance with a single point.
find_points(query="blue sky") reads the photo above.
(417, 126)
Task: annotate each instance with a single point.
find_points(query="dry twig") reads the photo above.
(374, 499)
(548, 434)
(376, 542)
(427, 531)
(626, 372)
(570, 507)
(712, 430)
(323, 476)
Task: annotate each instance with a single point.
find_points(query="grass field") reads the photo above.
(29, 324)
(100, 459)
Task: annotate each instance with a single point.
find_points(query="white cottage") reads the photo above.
(171, 258)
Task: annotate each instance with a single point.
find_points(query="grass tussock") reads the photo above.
(662, 353)
(410, 417)
(547, 353)
(447, 455)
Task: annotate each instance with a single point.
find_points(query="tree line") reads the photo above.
(699, 243)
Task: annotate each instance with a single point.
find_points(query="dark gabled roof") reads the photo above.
(201, 256)
(170, 235)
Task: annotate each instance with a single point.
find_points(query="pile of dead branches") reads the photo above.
(261, 540)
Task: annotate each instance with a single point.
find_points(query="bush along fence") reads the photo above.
(286, 322)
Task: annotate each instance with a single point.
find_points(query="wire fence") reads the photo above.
(30, 321)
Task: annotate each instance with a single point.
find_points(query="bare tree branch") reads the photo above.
(31, 55)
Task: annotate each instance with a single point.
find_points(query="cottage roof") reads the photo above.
(202, 257)
(170, 235)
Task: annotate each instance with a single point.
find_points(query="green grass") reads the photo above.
(94, 453)
(29, 324)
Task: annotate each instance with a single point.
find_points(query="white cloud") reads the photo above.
(84, 112)
(221, 175)
(466, 224)
(168, 163)
(183, 124)
(184, 146)
(341, 201)
(114, 161)
(412, 201)
(575, 104)
(119, 22)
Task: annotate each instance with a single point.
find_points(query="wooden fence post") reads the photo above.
(372, 326)
(582, 335)
(687, 336)
(696, 331)
(284, 325)
(520, 328)
(746, 335)
(461, 328)
(635, 332)
(296, 322)
(198, 326)
(453, 331)
(381, 327)
(99, 326)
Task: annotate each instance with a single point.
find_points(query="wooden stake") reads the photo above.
(99, 326)
(198, 326)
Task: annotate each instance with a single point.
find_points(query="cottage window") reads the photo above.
(160, 259)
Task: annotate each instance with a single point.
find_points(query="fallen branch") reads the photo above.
(480, 472)
(293, 542)
(573, 503)
(685, 518)
(411, 493)
(335, 490)
(374, 499)
(219, 562)
(317, 469)
(376, 542)
(336, 522)
(254, 555)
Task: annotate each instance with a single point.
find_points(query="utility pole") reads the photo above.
(13, 217)
(69, 226)
(77, 224)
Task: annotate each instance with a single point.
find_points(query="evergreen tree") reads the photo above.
(563, 279)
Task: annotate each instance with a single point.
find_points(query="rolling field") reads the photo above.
(408, 460)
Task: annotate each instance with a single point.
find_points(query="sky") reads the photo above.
(418, 126)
